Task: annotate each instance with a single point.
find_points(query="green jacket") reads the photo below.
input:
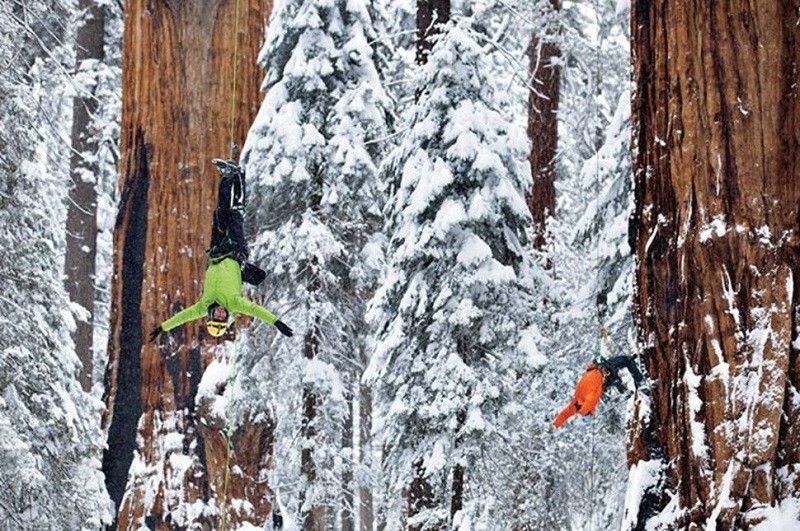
(223, 285)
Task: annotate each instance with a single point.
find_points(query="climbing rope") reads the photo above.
(235, 74)
(232, 371)
(606, 336)
(603, 331)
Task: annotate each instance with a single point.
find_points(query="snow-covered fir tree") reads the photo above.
(455, 315)
(602, 230)
(591, 270)
(568, 469)
(103, 80)
(315, 203)
(49, 428)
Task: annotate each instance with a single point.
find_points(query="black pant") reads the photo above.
(614, 365)
(227, 234)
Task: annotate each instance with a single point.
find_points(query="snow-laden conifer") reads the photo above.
(315, 206)
(602, 230)
(50, 437)
(455, 315)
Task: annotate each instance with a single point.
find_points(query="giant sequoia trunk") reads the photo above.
(82, 208)
(178, 70)
(365, 497)
(715, 229)
(543, 99)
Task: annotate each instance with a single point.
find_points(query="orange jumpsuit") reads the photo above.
(587, 395)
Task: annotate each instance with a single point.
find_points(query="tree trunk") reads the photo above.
(543, 101)
(82, 208)
(430, 15)
(314, 517)
(365, 507)
(716, 117)
(178, 69)
(348, 521)
(457, 486)
(457, 497)
(420, 493)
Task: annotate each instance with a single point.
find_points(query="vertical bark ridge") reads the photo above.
(715, 228)
(177, 73)
(365, 496)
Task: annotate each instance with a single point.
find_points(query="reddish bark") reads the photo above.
(178, 69)
(543, 100)
(716, 117)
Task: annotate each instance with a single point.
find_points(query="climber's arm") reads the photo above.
(247, 307)
(195, 311)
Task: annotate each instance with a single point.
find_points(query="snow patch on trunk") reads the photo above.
(643, 476)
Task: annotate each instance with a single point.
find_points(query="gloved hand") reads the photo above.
(154, 335)
(283, 328)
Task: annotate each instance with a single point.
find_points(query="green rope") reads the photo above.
(235, 73)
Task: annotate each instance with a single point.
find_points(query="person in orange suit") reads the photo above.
(587, 395)
(590, 387)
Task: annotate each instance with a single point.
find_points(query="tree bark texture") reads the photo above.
(79, 262)
(543, 100)
(178, 69)
(314, 516)
(716, 117)
(420, 494)
(430, 15)
(348, 493)
(365, 495)
(459, 472)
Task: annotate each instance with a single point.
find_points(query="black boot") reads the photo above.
(232, 190)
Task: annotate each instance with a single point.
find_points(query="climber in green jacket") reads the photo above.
(222, 290)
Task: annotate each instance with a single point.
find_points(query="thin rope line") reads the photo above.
(603, 330)
(235, 72)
